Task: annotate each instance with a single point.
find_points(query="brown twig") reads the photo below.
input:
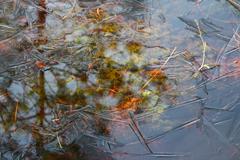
(234, 4)
(161, 67)
(15, 112)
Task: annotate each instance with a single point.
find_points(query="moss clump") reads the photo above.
(113, 44)
(109, 74)
(134, 47)
(110, 27)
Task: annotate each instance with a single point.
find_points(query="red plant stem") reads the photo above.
(42, 13)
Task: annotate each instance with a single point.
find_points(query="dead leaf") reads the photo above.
(40, 64)
(130, 104)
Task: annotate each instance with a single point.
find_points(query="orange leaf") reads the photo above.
(40, 64)
(156, 72)
(129, 104)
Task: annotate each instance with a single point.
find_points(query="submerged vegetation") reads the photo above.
(134, 47)
(113, 79)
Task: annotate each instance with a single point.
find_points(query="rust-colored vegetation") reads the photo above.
(40, 64)
(157, 75)
(130, 103)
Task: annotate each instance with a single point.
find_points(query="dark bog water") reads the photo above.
(130, 79)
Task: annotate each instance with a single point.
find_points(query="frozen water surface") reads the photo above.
(123, 79)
